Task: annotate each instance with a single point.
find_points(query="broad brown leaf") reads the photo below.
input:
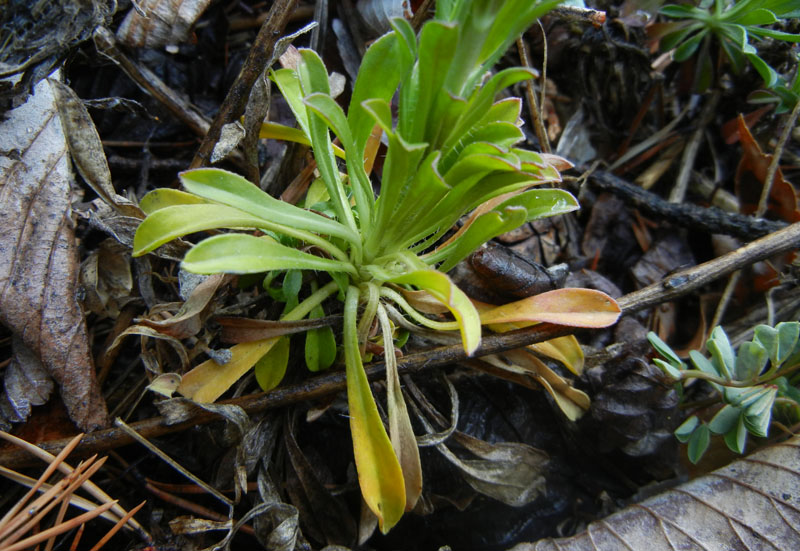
(38, 255)
(749, 505)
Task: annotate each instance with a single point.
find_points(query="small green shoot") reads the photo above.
(753, 383)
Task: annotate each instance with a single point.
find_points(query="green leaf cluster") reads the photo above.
(751, 382)
(451, 150)
(732, 23)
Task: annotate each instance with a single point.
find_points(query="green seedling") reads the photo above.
(451, 151)
(732, 24)
(752, 383)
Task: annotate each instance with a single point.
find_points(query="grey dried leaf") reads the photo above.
(378, 13)
(36, 36)
(26, 383)
(87, 149)
(107, 279)
(510, 472)
(166, 22)
(749, 505)
(38, 254)
(188, 321)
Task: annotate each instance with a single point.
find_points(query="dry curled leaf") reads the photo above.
(749, 505)
(86, 149)
(165, 22)
(26, 383)
(38, 255)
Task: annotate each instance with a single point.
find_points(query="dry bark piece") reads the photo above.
(164, 23)
(38, 255)
(749, 505)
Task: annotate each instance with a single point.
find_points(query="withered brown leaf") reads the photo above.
(38, 254)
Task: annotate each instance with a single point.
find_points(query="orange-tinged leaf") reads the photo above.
(446, 292)
(782, 198)
(565, 349)
(209, 380)
(572, 307)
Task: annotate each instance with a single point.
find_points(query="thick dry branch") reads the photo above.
(676, 285)
(711, 220)
(235, 102)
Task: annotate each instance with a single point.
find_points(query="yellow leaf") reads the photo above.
(209, 380)
(562, 349)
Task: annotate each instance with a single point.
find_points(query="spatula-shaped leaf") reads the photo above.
(271, 368)
(329, 111)
(168, 223)
(508, 215)
(386, 61)
(443, 289)
(231, 189)
(572, 307)
(209, 380)
(379, 472)
(236, 253)
(314, 78)
(166, 197)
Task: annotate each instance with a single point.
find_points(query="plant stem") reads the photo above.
(309, 303)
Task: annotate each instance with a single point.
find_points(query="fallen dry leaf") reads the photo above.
(26, 384)
(749, 505)
(38, 255)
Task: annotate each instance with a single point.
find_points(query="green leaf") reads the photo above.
(289, 85)
(702, 363)
(689, 47)
(736, 438)
(166, 197)
(446, 292)
(681, 12)
(684, 432)
(330, 112)
(698, 443)
(320, 346)
(379, 472)
(508, 215)
(436, 49)
(484, 228)
(725, 420)
(271, 368)
(665, 351)
(314, 78)
(750, 361)
(168, 223)
(385, 63)
(767, 73)
(758, 16)
(788, 339)
(672, 39)
(668, 368)
(292, 282)
(776, 35)
(231, 189)
(244, 254)
(721, 352)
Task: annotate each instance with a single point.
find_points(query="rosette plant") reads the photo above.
(450, 153)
